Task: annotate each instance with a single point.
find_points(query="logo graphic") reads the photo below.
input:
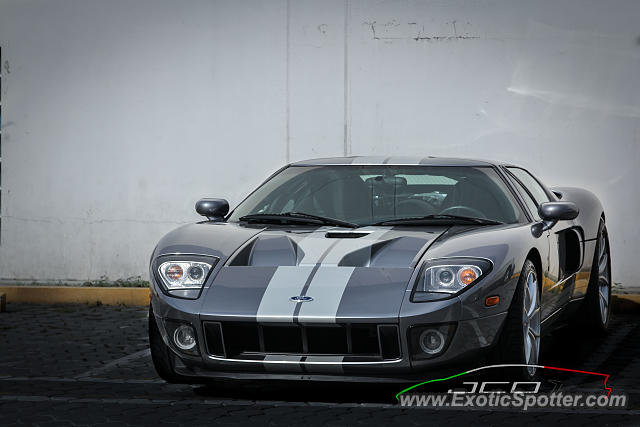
(605, 376)
(512, 394)
(301, 298)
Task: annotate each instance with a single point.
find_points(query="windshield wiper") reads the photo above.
(422, 220)
(299, 217)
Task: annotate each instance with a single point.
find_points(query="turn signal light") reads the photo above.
(491, 301)
(174, 272)
(467, 276)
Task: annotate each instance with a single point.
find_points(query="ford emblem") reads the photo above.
(301, 298)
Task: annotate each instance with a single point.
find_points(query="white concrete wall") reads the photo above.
(118, 115)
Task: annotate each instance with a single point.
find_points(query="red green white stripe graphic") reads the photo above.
(512, 365)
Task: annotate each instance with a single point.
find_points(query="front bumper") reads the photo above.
(471, 336)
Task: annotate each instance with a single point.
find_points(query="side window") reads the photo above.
(529, 201)
(536, 190)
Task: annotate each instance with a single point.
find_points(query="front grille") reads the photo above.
(244, 339)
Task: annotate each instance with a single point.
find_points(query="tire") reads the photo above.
(163, 358)
(519, 341)
(598, 296)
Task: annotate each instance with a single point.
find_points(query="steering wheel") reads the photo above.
(415, 207)
(463, 211)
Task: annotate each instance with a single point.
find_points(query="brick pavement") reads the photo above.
(87, 365)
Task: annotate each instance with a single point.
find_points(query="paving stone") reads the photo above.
(56, 369)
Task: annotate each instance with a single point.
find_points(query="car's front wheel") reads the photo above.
(520, 339)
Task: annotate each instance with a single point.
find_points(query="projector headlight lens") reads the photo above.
(446, 276)
(196, 272)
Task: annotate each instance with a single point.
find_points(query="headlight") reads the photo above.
(184, 275)
(445, 277)
(181, 275)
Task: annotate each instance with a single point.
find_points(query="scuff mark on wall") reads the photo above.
(579, 100)
(394, 30)
(7, 68)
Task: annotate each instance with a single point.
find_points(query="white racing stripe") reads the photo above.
(324, 364)
(273, 365)
(326, 286)
(314, 247)
(286, 282)
(326, 289)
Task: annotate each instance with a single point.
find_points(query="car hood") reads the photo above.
(322, 275)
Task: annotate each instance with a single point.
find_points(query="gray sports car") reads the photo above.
(377, 269)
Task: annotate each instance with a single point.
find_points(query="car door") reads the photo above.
(556, 288)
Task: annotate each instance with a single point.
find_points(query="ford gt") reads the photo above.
(377, 269)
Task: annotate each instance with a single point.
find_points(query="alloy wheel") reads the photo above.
(604, 277)
(531, 322)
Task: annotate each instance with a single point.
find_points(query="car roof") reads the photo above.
(396, 160)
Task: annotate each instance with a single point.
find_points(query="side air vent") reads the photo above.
(570, 251)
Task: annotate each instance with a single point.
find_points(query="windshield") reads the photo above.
(366, 195)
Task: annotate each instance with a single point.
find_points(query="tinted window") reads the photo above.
(369, 194)
(536, 190)
(529, 201)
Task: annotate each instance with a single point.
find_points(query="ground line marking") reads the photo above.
(114, 363)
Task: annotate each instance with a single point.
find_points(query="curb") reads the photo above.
(78, 295)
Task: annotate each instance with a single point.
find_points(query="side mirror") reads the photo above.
(558, 211)
(213, 209)
(551, 213)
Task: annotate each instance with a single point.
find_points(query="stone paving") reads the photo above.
(68, 365)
